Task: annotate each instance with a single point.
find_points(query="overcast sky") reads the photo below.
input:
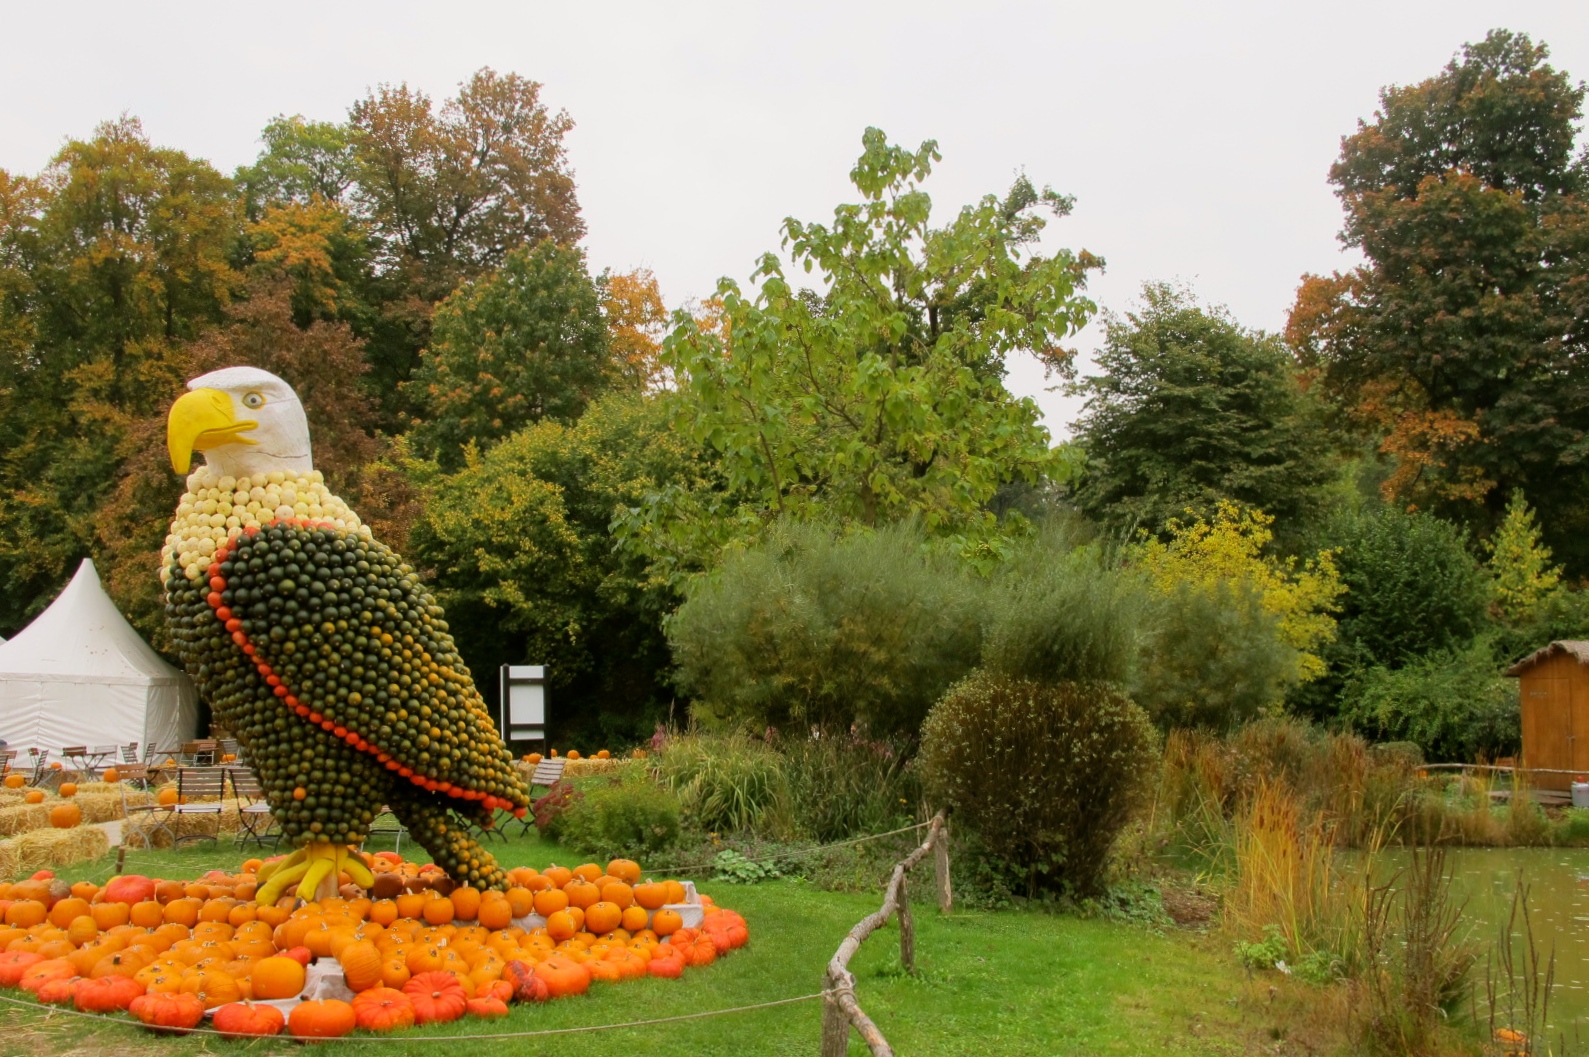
(1195, 137)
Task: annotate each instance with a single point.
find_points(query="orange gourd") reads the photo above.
(57, 991)
(550, 902)
(34, 796)
(245, 1018)
(465, 903)
(278, 977)
(67, 789)
(603, 917)
(488, 1006)
(321, 1019)
(106, 994)
(361, 965)
(168, 1010)
(383, 1009)
(563, 976)
(495, 913)
(437, 997)
(13, 964)
(666, 922)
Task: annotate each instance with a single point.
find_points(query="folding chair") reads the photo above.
(76, 757)
(129, 753)
(99, 758)
(195, 785)
(547, 773)
(41, 766)
(394, 829)
(136, 775)
(227, 747)
(7, 756)
(253, 813)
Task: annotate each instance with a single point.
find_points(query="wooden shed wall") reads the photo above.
(1554, 697)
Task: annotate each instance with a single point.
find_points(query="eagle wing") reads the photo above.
(346, 637)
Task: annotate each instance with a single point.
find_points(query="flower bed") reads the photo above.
(413, 949)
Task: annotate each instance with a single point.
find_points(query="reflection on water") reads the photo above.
(1558, 897)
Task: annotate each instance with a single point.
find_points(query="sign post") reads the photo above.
(523, 704)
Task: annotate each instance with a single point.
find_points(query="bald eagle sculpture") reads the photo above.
(318, 648)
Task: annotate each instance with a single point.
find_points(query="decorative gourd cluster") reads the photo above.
(318, 649)
(412, 949)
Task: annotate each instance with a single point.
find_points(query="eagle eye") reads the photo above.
(253, 401)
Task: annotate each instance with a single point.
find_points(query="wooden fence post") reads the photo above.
(907, 929)
(940, 863)
(835, 1023)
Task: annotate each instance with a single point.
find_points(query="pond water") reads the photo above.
(1558, 899)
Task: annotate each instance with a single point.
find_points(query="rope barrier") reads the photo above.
(405, 1040)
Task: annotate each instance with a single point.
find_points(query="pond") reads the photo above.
(1558, 899)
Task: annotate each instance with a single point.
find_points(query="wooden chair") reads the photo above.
(195, 787)
(40, 766)
(143, 808)
(253, 811)
(7, 756)
(547, 774)
(76, 757)
(129, 753)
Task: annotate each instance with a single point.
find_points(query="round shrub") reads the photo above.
(1044, 774)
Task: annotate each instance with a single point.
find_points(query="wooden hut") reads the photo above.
(1554, 696)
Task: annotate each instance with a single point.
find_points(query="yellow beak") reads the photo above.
(202, 419)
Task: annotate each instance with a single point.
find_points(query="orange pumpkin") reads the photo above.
(321, 1019)
(111, 775)
(465, 903)
(15, 781)
(635, 919)
(34, 796)
(625, 870)
(383, 1009)
(14, 963)
(619, 893)
(488, 1006)
(167, 797)
(582, 894)
(278, 977)
(666, 922)
(361, 965)
(495, 912)
(67, 789)
(57, 991)
(395, 971)
(603, 917)
(213, 987)
(168, 1010)
(436, 997)
(107, 916)
(438, 911)
(106, 994)
(563, 976)
(246, 1018)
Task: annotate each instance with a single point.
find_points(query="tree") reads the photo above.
(303, 160)
(456, 191)
(1189, 409)
(115, 256)
(526, 343)
(1457, 343)
(1522, 578)
(636, 323)
(520, 545)
(880, 398)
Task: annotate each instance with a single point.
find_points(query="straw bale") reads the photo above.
(51, 848)
(99, 807)
(191, 825)
(20, 818)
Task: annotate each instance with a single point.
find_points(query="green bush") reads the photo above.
(841, 786)
(726, 783)
(1212, 658)
(1057, 613)
(1454, 705)
(1046, 775)
(627, 817)
(813, 629)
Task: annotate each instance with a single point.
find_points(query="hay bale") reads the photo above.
(100, 806)
(21, 818)
(50, 849)
(180, 826)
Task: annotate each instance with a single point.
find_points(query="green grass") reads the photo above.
(1012, 983)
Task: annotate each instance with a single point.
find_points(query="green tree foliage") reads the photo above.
(1522, 578)
(1188, 409)
(1454, 704)
(525, 343)
(119, 253)
(1044, 774)
(303, 160)
(880, 398)
(520, 546)
(1412, 586)
(1457, 343)
(814, 628)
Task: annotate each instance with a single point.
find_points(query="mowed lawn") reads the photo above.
(1007, 983)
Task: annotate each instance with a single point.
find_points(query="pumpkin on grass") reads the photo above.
(437, 997)
(172, 1011)
(489, 1007)
(361, 965)
(383, 1009)
(14, 963)
(106, 994)
(527, 987)
(326, 1018)
(246, 1018)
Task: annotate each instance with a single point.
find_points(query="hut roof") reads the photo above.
(1579, 648)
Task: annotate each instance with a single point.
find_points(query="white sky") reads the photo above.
(1195, 137)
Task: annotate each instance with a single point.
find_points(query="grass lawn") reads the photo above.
(1007, 983)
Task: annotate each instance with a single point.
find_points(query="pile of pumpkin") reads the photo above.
(64, 815)
(172, 952)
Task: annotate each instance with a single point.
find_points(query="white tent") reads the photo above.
(80, 675)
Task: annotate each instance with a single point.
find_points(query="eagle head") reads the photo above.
(244, 420)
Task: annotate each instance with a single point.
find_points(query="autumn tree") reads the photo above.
(525, 343)
(114, 257)
(637, 321)
(303, 160)
(1188, 410)
(881, 397)
(1458, 342)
